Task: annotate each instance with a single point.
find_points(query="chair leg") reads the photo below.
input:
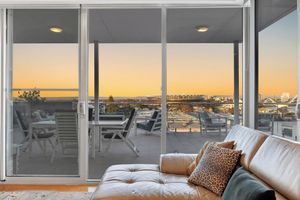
(27, 145)
(44, 147)
(30, 148)
(24, 140)
(130, 141)
(132, 144)
(111, 141)
(51, 143)
(135, 128)
(17, 159)
(38, 141)
(132, 147)
(53, 154)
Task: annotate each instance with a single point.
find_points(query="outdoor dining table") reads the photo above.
(102, 124)
(92, 124)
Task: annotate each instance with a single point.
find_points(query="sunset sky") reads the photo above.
(278, 57)
(135, 69)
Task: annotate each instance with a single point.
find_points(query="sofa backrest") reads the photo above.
(247, 140)
(277, 163)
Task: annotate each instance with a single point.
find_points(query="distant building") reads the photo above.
(285, 97)
(186, 97)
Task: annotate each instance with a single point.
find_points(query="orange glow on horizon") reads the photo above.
(135, 70)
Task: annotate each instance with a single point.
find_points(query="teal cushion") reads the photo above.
(244, 186)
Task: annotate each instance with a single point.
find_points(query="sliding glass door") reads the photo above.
(204, 65)
(42, 124)
(125, 77)
(124, 85)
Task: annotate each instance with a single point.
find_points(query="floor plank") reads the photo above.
(65, 188)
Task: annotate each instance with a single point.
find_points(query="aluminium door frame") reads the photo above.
(82, 103)
(2, 96)
(249, 69)
(298, 73)
(83, 81)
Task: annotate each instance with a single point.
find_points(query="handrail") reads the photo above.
(45, 89)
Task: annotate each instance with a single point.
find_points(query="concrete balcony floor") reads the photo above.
(38, 163)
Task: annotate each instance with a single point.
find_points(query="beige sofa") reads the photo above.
(275, 161)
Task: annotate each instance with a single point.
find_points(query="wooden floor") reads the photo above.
(60, 188)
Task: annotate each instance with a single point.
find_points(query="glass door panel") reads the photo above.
(204, 52)
(277, 69)
(129, 57)
(42, 130)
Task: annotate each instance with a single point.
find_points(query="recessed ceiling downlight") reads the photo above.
(202, 29)
(56, 29)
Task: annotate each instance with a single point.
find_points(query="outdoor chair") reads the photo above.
(151, 124)
(40, 135)
(116, 116)
(66, 132)
(40, 115)
(208, 122)
(122, 134)
(266, 122)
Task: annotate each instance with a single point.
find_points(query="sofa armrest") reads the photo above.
(176, 163)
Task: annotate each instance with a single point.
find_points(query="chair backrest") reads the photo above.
(66, 126)
(21, 123)
(155, 122)
(91, 114)
(112, 116)
(265, 121)
(129, 123)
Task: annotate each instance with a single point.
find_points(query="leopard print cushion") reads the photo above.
(193, 165)
(215, 168)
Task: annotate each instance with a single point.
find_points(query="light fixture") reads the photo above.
(56, 29)
(202, 29)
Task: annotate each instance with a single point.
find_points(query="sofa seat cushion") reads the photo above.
(146, 182)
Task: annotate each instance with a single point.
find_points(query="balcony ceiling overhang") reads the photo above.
(130, 25)
(141, 2)
(140, 25)
(271, 11)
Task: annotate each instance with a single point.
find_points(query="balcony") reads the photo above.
(186, 134)
(38, 162)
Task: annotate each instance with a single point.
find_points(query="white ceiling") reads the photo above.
(32, 26)
(225, 25)
(130, 25)
(143, 25)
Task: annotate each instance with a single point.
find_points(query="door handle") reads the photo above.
(81, 108)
